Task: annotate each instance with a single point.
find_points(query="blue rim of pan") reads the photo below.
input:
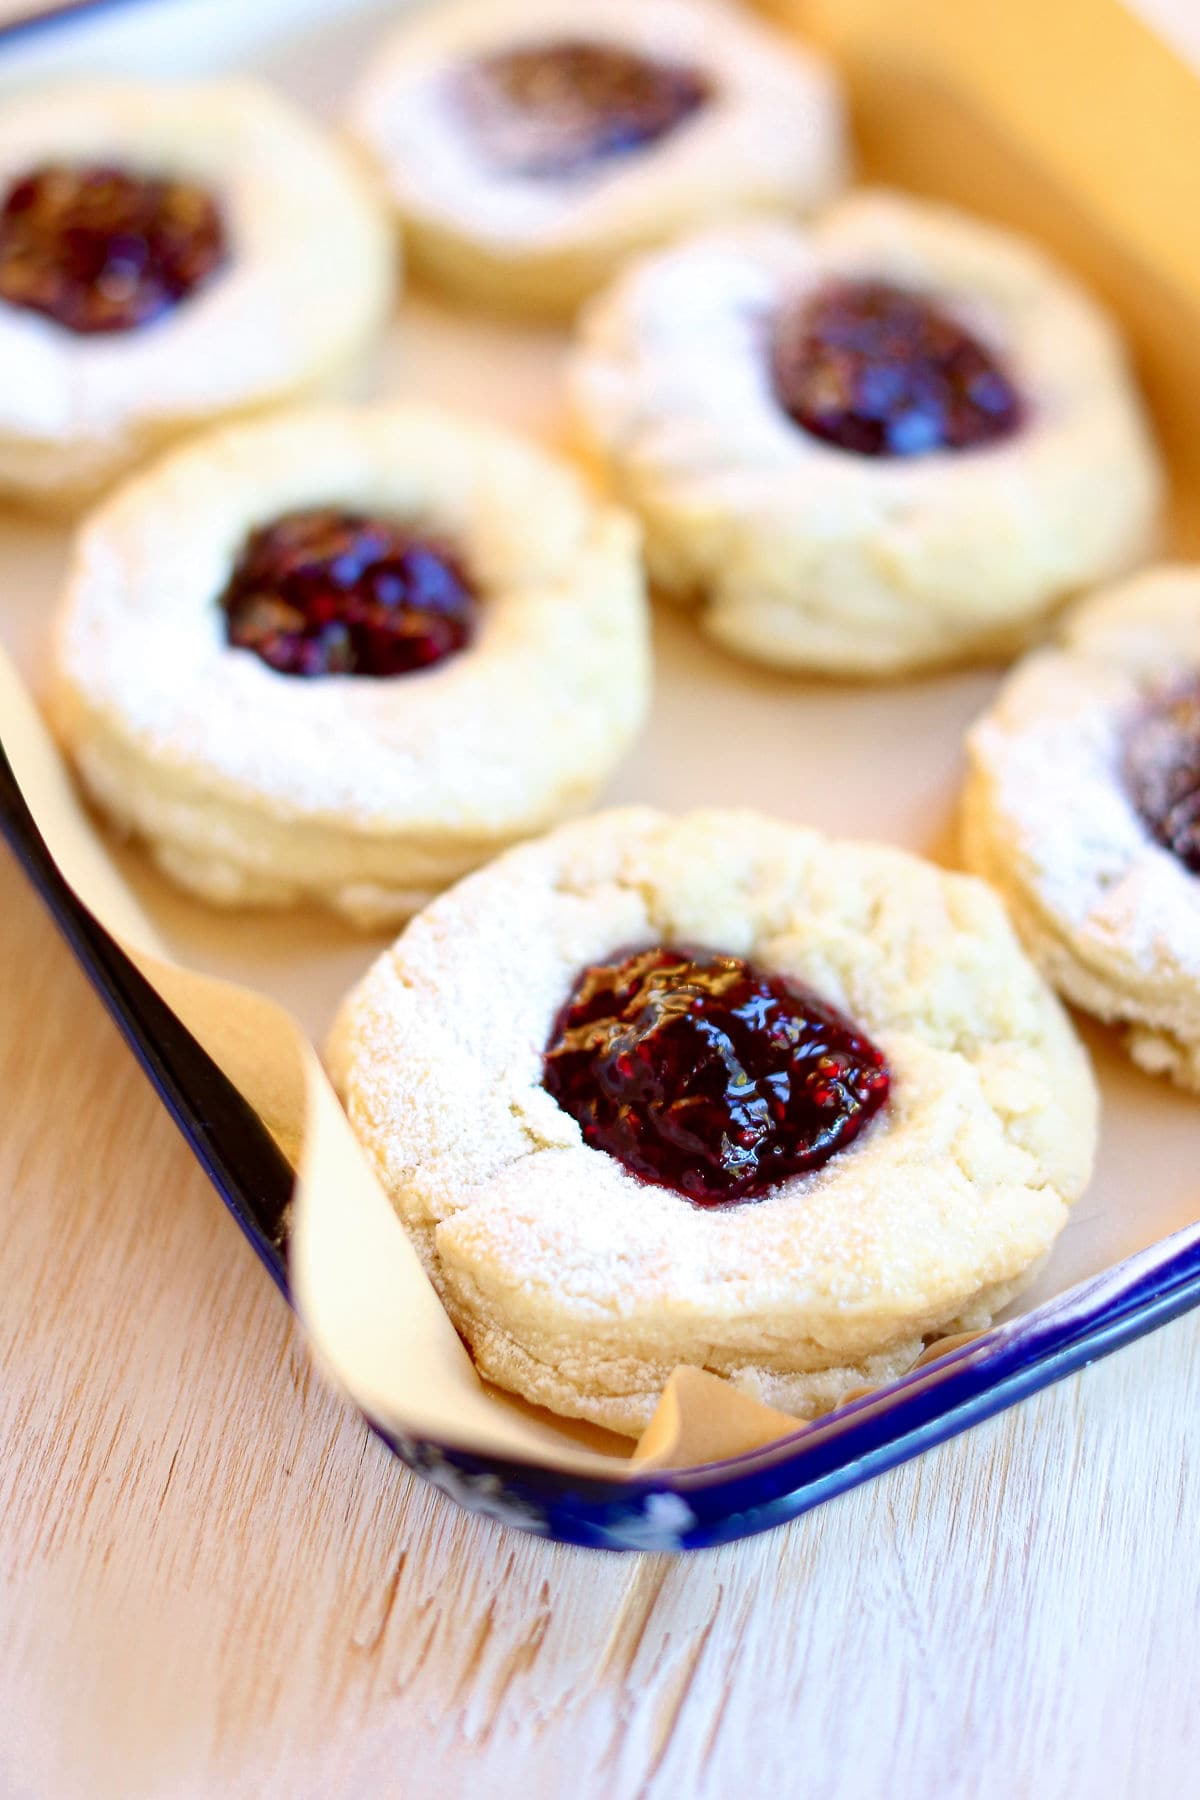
(679, 1510)
(65, 12)
(670, 1511)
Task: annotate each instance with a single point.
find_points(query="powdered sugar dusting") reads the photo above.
(775, 130)
(308, 274)
(201, 747)
(807, 556)
(553, 1255)
(1053, 753)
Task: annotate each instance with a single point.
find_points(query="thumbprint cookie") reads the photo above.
(346, 655)
(1082, 807)
(170, 256)
(897, 439)
(530, 145)
(715, 1090)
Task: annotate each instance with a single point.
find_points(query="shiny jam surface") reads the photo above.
(99, 249)
(557, 108)
(326, 592)
(1162, 768)
(880, 371)
(700, 1073)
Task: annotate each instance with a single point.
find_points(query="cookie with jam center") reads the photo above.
(715, 1090)
(529, 146)
(896, 439)
(1082, 806)
(171, 256)
(344, 655)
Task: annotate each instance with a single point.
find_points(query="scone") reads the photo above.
(1082, 806)
(530, 145)
(895, 440)
(347, 655)
(170, 256)
(715, 1090)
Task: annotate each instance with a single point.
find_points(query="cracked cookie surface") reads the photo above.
(580, 1286)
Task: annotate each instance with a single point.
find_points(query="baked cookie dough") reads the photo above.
(952, 1098)
(897, 439)
(347, 655)
(170, 256)
(530, 145)
(1082, 806)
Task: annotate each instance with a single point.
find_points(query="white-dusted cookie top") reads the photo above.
(770, 131)
(491, 742)
(309, 268)
(957, 1185)
(811, 553)
(1051, 795)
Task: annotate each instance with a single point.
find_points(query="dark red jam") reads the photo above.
(1162, 766)
(100, 250)
(557, 108)
(326, 592)
(881, 371)
(699, 1073)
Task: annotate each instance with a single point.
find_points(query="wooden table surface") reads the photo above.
(215, 1582)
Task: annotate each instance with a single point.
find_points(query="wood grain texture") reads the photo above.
(215, 1583)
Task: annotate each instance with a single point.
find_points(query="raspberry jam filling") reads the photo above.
(701, 1074)
(1162, 768)
(881, 371)
(326, 592)
(98, 249)
(556, 108)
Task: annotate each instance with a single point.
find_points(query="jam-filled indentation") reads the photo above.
(881, 371)
(1162, 769)
(99, 249)
(561, 107)
(329, 592)
(701, 1073)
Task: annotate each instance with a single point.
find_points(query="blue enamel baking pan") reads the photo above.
(672, 1511)
(711, 1505)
